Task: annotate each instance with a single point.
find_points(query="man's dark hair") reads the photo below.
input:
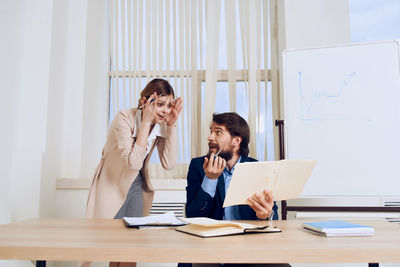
(237, 126)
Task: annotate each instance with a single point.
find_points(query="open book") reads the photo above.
(338, 228)
(161, 220)
(285, 178)
(206, 227)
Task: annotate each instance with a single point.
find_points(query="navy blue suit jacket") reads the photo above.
(201, 204)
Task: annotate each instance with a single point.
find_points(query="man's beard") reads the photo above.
(225, 154)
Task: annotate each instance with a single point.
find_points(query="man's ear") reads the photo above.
(236, 142)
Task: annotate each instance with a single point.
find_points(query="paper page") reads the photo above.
(207, 222)
(167, 218)
(293, 177)
(203, 231)
(249, 178)
(286, 179)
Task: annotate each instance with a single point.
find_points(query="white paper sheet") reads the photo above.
(285, 178)
(166, 219)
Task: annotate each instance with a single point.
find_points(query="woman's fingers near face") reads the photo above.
(153, 99)
(178, 102)
(178, 105)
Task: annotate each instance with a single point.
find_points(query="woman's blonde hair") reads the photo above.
(160, 86)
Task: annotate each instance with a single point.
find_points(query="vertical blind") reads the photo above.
(215, 54)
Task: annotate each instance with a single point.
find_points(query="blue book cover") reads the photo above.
(338, 228)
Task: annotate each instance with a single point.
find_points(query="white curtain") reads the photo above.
(201, 47)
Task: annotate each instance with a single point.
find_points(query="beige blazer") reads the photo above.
(121, 162)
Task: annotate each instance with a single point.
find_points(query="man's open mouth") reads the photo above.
(213, 146)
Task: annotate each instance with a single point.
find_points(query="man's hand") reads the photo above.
(262, 204)
(214, 167)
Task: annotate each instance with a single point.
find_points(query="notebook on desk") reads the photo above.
(338, 228)
(206, 227)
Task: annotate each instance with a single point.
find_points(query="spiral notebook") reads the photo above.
(338, 228)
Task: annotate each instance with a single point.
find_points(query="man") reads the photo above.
(209, 177)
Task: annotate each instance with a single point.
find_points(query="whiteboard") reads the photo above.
(342, 108)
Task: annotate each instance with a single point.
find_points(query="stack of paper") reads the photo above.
(338, 228)
(166, 219)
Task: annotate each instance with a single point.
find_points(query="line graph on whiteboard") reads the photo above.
(325, 102)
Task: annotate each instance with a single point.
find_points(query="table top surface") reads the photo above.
(110, 240)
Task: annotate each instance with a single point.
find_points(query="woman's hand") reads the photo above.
(149, 111)
(176, 109)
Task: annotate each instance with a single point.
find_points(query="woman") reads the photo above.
(121, 186)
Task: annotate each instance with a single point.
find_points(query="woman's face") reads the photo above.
(163, 106)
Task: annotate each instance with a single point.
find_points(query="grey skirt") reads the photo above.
(133, 205)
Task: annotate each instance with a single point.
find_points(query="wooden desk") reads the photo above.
(110, 240)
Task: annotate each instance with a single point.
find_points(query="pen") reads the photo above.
(218, 153)
(271, 217)
(145, 103)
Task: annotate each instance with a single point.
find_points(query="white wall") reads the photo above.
(313, 23)
(53, 99)
(91, 130)
(78, 106)
(11, 27)
(25, 51)
(24, 104)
